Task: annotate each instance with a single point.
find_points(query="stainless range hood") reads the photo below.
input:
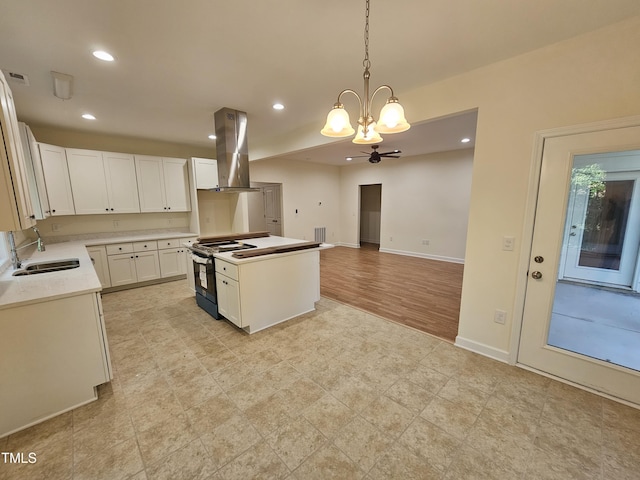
(232, 151)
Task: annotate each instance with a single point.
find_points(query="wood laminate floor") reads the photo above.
(418, 292)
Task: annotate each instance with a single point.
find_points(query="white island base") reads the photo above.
(259, 292)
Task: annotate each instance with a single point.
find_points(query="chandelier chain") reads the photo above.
(366, 62)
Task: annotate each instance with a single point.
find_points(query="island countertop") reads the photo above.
(267, 242)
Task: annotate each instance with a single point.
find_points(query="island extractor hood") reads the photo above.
(232, 151)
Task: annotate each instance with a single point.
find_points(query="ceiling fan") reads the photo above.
(375, 156)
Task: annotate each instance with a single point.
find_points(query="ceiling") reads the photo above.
(179, 62)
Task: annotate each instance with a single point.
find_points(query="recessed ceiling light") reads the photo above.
(465, 140)
(102, 55)
(278, 106)
(88, 116)
(348, 159)
(212, 137)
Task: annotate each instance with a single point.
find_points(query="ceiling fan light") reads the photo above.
(370, 137)
(338, 124)
(392, 119)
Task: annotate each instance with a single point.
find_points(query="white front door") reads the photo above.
(561, 161)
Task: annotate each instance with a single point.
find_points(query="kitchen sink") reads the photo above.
(47, 267)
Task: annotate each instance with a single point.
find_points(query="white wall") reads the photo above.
(311, 189)
(423, 198)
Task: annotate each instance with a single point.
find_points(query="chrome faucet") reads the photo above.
(15, 259)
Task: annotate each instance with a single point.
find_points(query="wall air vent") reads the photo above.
(18, 78)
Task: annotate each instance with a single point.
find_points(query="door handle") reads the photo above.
(537, 275)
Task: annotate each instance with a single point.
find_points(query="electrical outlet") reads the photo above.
(500, 317)
(391, 239)
(425, 242)
(116, 223)
(55, 227)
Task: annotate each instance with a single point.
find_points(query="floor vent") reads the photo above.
(320, 234)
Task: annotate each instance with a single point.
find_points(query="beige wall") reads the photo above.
(311, 189)
(70, 225)
(589, 78)
(115, 143)
(424, 197)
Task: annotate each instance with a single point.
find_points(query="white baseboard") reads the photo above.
(350, 245)
(482, 349)
(423, 255)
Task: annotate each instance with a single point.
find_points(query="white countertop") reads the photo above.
(266, 242)
(16, 291)
(26, 289)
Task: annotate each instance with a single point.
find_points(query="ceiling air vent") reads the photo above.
(18, 78)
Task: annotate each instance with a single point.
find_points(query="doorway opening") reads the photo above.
(370, 215)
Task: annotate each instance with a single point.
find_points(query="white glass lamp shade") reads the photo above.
(338, 124)
(369, 138)
(392, 118)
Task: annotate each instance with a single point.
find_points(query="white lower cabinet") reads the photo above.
(119, 264)
(133, 266)
(55, 354)
(173, 257)
(228, 291)
(99, 258)
(255, 294)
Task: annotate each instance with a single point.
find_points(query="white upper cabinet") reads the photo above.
(56, 175)
(35, 174)
(102, 182)
(120, 171)
(16, 212)
(206, 171)
(163, 184)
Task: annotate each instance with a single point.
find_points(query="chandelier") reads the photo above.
(391, 118)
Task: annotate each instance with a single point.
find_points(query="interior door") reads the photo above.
(272, 209)
(561, 160)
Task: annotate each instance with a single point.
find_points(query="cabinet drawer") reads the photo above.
(145, 246)
(226, 268)
(168, 243)
(116, 248)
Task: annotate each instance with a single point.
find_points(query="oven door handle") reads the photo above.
(201, 260)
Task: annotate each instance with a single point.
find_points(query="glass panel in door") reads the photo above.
(603, 226)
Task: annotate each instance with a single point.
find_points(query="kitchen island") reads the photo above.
(258, 292)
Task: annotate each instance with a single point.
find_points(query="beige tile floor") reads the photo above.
(335, 394)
